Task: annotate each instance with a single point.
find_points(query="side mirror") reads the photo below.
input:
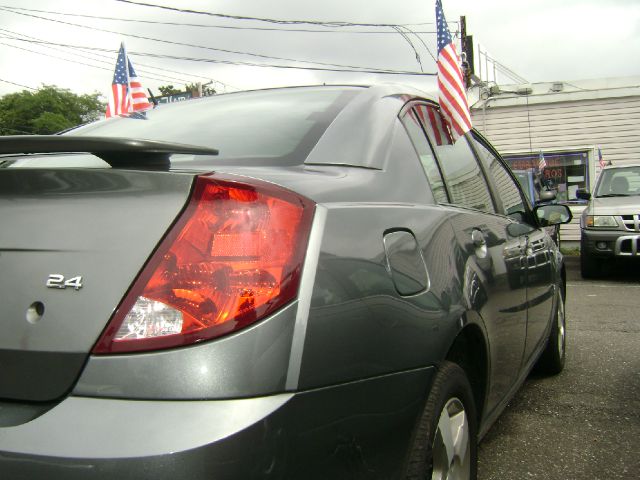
(583, 194)
(553, 214)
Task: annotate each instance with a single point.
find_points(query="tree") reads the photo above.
(168, 90)
(47, 110)
(194, 88)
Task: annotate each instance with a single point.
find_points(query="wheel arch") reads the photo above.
(470, 351)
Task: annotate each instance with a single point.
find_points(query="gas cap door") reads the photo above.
(405, 263)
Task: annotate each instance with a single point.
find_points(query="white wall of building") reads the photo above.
(563, 116)
(606, 117)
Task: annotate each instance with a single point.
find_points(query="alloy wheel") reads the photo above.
(560, 319)
(451, 445)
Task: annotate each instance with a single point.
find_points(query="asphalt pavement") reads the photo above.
(585, 422)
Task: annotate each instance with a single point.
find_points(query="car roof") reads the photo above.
(361, 133)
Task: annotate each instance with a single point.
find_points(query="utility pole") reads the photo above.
(466, 43)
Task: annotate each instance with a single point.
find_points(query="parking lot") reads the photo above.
(585, 422)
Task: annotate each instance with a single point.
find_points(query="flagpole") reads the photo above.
(452, 95)
(126, 68)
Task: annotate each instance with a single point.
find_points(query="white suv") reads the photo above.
(610, 225)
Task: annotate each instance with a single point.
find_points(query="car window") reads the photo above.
(463, 176)
(427, 159)
(623, 181)
(509, 192)
(279, 127)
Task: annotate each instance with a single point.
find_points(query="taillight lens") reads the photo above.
(234, 256)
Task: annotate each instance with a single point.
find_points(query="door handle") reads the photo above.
(477, 237)
(479, 243)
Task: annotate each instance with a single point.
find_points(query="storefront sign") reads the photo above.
(564, 171)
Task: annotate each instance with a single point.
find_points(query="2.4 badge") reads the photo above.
(56, 280)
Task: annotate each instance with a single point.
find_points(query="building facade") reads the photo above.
(569, 124)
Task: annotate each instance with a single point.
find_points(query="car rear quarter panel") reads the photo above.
(358, 324)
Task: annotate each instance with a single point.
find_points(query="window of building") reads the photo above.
(565, 172)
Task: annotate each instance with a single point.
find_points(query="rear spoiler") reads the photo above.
(118, 152)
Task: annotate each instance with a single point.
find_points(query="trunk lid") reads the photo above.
(57, 225)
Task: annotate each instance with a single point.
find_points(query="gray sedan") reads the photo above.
(301, 283)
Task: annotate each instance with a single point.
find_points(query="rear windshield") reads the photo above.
(269, 126)
(619, 182)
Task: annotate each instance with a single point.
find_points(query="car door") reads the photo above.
(536, 266)
(486, 254)
(540, 289)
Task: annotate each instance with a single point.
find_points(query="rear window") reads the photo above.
(269, 126)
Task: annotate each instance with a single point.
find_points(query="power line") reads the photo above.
(259, 19)
(44, 44)
(413, 47)
(353, 67)
(229, 27)
(229, 62)
(18, 84)
(294, 67)
(107, 60)
(46, 54)
(415, 34)
(67, 59)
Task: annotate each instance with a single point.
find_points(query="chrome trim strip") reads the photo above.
(635, 239)
(304, 296)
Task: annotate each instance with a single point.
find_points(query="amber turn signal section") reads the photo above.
(233, 257)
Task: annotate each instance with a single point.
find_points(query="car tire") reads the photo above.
(445, 445)
(552, 360)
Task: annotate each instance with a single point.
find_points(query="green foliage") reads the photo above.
(47, 110)
(168, 90)
(50, 122)
(570, 251)
(191, 87)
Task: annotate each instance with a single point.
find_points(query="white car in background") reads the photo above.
(610, 225)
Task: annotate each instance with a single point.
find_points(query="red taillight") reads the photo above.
(234, 256)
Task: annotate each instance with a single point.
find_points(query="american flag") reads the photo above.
(434, 124)
(127, 93)
(601, 159)
(542, 163)
(451, 92)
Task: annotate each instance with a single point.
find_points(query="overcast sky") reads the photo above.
(540, 40)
